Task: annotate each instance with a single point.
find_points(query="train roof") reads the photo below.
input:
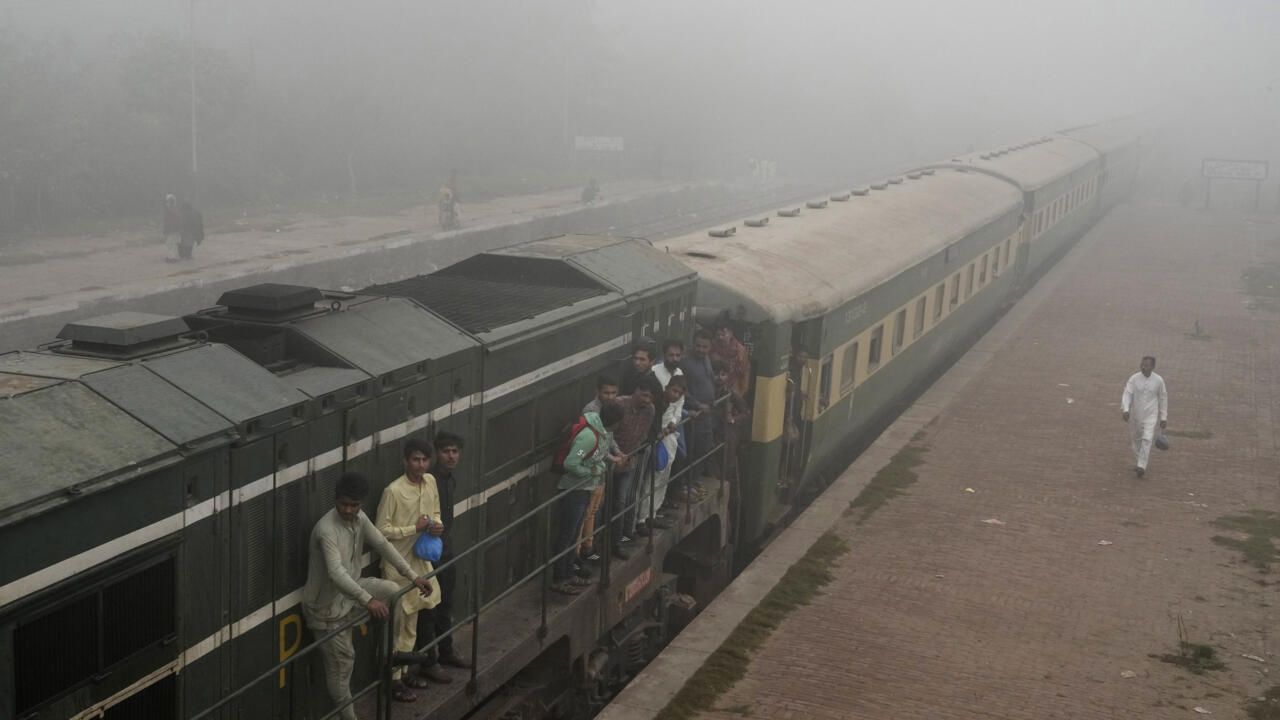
(1107, 137)
(496, 293)
(797, 268)
(1031, 165)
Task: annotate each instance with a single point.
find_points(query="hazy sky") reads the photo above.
(809, 81)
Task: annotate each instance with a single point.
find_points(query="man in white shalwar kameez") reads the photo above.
(1145, 403)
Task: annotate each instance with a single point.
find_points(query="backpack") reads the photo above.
(568, 435)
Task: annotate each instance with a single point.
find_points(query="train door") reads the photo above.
(252, 526)
(292, 532)
(207, 591)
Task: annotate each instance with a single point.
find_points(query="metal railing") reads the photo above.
(602, 537)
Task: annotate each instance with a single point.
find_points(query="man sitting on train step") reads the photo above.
(335, 592)
(411, 505)
(584, 469)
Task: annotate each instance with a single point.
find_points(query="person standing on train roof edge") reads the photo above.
(335, 593)
(1144, 404)
(411, 505)
(584, 469)
(448, 454)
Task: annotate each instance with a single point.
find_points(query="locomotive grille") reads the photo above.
(55, 652)
(137, 612)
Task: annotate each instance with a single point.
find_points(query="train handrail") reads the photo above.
(386, 642)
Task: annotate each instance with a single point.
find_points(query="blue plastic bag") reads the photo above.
(428, 547)
(661, 459)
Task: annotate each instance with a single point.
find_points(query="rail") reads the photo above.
(602, 536)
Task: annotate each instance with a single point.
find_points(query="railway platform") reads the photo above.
(992, 554)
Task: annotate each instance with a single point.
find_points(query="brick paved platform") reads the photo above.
(935, 614)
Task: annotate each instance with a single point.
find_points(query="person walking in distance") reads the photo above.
(1144, 404)
(335, 593)
(171, 227)
(411, 505)
(448, 454)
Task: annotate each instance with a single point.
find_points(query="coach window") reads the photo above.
(982, 272)
(939, 296)
(848, 367)
(968, 282)
(1007, 259)
(919, 318)
(899, 330)
(955, 290)
(995, 263)
(824, 386)
(873, 348)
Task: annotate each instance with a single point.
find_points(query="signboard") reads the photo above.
(598, 143)
(1234, 169)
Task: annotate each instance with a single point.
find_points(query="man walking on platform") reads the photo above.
(1144, 404)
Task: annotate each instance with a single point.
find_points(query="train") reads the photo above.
(163, 473)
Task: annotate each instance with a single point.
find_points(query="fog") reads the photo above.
(306, 99)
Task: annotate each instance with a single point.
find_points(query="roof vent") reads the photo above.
(793, 212)
(879, 185)
(757, 222)
(816, 204)
(271, 301)
(724, 232)
(123, 334)
(914, 175)
(842, 197)
(927, 171)
(895, 180)
(861, 191)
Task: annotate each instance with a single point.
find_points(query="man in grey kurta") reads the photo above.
(335, 592)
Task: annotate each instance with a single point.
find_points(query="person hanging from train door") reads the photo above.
(606, 394)
(700, 400)
(584, 468)
(1144, 405)
(448, 447)
(637, 423)
(411, 505)
(335, 593)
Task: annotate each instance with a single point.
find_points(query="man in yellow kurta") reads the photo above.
(410, 506)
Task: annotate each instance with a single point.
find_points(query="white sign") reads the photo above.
(598, 143)
(1235, 169)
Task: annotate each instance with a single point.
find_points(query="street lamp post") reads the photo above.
(191, 42)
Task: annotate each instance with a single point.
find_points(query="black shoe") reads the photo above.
(643, 531)
(434, 674)
(410, 658)
(621, 554)
(583, 571)
(453, 659)
(1140, 472)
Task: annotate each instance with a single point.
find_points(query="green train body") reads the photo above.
(163, 475)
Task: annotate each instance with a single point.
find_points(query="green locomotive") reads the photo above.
(163, 474)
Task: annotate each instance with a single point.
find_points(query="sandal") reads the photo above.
(400, 693)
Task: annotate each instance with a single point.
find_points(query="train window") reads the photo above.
(995, 263)
(873, 348)
(648, 321)
(899, 330)
(955, 290)
(824, 385)
(968, 282)
(664, 312)
(919, 318)
(848, 367)
(982, 272)
(512, 433)
(65, 647)
(939, 296)
(1007, 259)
